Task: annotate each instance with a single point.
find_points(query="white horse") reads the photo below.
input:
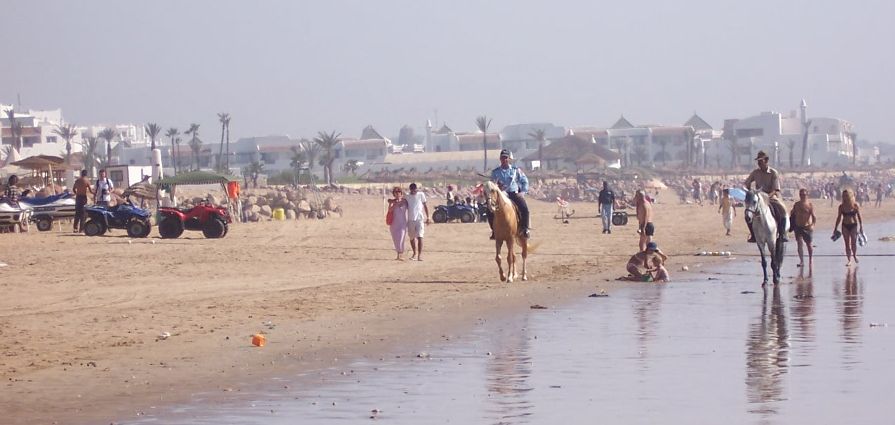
(764, 227)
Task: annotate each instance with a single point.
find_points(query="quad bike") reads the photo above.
(122, 216)
(46, 210)
(211, 220)
(462, 212)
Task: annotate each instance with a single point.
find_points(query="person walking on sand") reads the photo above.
(852, 224)
(417, 219)
(727, 209)
(802, 220)
(13, 194)
(606, 201)
(81, 188)
(645, 228)
(397, 213)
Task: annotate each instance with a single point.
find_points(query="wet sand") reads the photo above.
(707, 348)
(82, 316)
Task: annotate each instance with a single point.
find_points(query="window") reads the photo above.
(51, 139)
(750, 132)
(117, 177)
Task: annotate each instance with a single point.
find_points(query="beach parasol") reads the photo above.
(737, 193)
(41, 162)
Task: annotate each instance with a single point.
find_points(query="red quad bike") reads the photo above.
(211, 220)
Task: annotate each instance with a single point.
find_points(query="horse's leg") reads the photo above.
(779, 249)
(775, 264)
(497, 244)
(524, 245)
(511, 261)
(764, 265)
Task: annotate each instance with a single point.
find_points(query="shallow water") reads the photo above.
(698, 350)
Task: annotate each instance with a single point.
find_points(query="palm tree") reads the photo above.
(299, 158)
(541, 136)
(67, 132)
(15, 128)
(254, 170)
(734, 151)
(89, 144)
(663, 142)
(327, 142)
(791, 144)
(195, 143)
(224, 119)
(640, 154)
(689, 135)
(176, 146)
(109, 134)
(312, 151)
(172, 133)
(152, 130)
(483, 122)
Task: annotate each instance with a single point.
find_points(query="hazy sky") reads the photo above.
(297, 67)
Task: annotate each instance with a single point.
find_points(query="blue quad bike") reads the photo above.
(462, 212)
(122, 216)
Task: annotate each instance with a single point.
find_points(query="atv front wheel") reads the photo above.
(137, 229)
(94, 228)
(214, 228)
(170, 228)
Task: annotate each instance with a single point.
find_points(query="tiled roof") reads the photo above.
(572, 148)
(622, 123)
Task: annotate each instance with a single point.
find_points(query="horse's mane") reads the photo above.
(493, 188)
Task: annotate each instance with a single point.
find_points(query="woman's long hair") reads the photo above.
(848, 199)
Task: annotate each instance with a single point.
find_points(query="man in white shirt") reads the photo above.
(417, 218)
(103, 193)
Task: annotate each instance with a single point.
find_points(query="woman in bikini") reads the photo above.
(852, 225)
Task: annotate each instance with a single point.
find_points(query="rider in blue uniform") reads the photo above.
(512, 180)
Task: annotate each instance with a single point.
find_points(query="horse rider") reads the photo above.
(512, 180)
(767, 180)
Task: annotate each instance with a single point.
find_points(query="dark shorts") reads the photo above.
(649, 229)
(804, 233)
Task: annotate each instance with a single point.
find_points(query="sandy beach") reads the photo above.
(82, 318)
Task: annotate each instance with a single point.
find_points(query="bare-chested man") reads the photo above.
(646, 228)
(802, 220)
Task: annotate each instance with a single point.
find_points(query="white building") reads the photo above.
(830, 141)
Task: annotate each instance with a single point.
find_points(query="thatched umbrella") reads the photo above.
(41, 162)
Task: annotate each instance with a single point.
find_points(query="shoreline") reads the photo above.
(83, 350)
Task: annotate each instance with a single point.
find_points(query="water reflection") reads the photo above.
(767, 355)
(507, 377)
(849, 308)
(802, 311)
(646, 314)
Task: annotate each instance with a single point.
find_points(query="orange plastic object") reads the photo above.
(233, 190)
(258, 340)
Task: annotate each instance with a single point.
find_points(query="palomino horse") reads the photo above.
(506, 231)
(764, 227)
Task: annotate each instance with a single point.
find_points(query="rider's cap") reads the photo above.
(761, 155)
(505, 153)
(652, 246)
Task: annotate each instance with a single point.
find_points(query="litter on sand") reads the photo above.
(538, 307)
